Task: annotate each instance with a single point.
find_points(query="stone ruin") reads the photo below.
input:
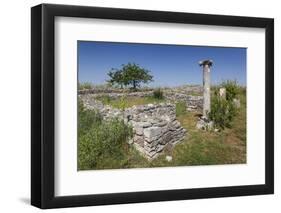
(155, 126)
(192, 102)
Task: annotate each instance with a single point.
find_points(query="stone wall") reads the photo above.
(187, 89)
(154, 125)
(192, 102)
(116, 95)
(108, 90)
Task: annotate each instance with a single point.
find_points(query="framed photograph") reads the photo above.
(140, 106)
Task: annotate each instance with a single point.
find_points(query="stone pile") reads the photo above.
(155, 126)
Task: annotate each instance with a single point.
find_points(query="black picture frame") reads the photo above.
(43, 102)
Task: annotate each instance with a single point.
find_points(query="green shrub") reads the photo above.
(222, 111)
(102, 144)
(180, 108)
(158, 94)
(85, 85)
(232, 89)
(87, 118)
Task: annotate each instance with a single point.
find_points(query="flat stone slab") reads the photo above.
(152, 132)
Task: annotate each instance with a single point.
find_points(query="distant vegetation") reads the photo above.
(85, 85)
(158, 94)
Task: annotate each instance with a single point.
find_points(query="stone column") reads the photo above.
(206, 64)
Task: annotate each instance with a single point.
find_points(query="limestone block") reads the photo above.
(152, 132)
(169, 158)
(236, 103)
(138, 130)
(222, 92)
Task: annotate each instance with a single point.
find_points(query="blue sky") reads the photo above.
(171, 65)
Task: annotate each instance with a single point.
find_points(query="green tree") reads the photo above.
(116, 77)
(130, 74)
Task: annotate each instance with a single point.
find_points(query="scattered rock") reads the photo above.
(236, 103)
(204, 124)
(222, 92)
(169, 158)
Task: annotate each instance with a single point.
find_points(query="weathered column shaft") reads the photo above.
(206, 90)
(206, 64)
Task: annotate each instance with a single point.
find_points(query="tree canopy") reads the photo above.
(129, 74)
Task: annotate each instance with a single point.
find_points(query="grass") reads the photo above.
(208, 147)
(180, 108)
(126, 102)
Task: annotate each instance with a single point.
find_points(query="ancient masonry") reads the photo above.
(155, 126)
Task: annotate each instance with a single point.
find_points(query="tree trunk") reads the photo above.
(134, 84)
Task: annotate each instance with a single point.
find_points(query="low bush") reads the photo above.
(101, 141)
(222, 112)
(232, 89)
(87, 118)
(180, 108)
(158, 94)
